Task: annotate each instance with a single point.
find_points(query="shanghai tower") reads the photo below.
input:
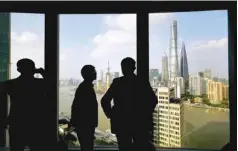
(184, 66)
(173, 54)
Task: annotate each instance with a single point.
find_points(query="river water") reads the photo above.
(203, 128)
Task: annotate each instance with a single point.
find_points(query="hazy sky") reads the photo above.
(97, 39)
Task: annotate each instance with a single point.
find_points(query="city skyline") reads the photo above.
(115, 38)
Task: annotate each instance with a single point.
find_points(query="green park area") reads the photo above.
(224, 103)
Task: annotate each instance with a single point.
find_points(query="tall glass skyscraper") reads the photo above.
(173, 54)
(5, 33)
(184, 66)
(4, 46)
(165, 70)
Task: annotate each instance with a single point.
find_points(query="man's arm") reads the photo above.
(152, 98)
(46, 83)
(106, 101)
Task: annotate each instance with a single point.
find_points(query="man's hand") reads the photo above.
(41, 71)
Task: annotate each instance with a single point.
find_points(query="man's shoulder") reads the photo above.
(7, 82)
(115, 80)
(81, 86)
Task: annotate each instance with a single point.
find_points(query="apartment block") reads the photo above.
(180, 84)
(216, 91)
(168, 119)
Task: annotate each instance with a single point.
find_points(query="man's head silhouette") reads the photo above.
(89, 73)
(26, 67)
(128, 66)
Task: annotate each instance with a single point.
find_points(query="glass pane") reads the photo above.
(21, 36)
(189, 73)
(102, 41)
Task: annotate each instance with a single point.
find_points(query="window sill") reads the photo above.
(112, 148)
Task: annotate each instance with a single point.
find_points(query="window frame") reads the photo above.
(52, 10)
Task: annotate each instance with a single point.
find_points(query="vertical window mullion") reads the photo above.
(232, 50)
(143, 45)
(52, 67)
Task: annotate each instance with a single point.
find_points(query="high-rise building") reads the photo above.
(201, 74)
(168, 119)
(216, 91)
(223, 80)
(108, 77)
(180, 85)
(5, 43)
(5, 46)
(173, 54)
(154, 76)
(101, 76)
(116, 74)
(165, 70)
(225, 92)
(216, 79)
(184, 67)
(195, 85)
(207, 73)
(204, 85)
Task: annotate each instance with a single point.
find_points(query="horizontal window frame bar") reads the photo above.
(112, 7)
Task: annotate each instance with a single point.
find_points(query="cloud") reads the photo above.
(26, 45)
(211, 44)
(63, 57)
(120, 37)
(211, 54)
(24, 38)
(158, 18)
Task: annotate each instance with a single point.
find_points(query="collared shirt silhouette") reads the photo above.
(131, 115)
(28, 107)
(84, 114)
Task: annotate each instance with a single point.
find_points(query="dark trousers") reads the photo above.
(86, 137)
(134, 140)
(20, 137)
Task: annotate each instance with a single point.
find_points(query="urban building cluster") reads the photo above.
(69, 82)
(105, 79)
(172, 84)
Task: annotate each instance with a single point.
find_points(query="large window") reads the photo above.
(189, 61)
(102, 41)
(187, 54)
(22, 36)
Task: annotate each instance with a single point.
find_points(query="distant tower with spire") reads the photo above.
(108, 75)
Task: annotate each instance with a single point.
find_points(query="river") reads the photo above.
(203, 128)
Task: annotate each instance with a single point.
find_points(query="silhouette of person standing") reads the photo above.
(131, 114)
(84, 114)
(28, 107)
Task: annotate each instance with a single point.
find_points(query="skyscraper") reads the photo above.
(165, 70)
(108, 77)
(168, 119)
(4, 46)
(101, 75)
(5, 43)
(184, 67)
(153, 76)
(207, 73)
(116, 74)
(173, 54)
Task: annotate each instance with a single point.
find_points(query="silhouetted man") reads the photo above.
(131, 115)
(28, 107)
(84, 115)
